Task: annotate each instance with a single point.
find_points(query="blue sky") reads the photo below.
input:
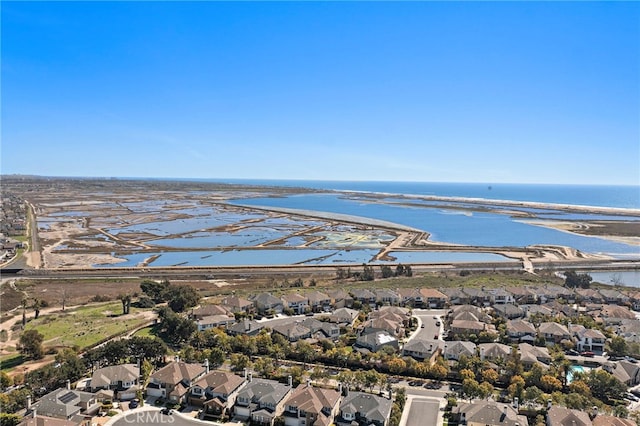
(540, 92)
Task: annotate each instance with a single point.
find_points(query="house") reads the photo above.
(66, 404)
(266, 303)
(237, 304)
(487, 413)
(319, 302)
(523, 295)
(320, 329)
(213, 321)
(553, 332)
(123, 379)
(530, 355)
(311, 406)
(614, 297)
(508, 311)
(433, 298)
(465, 328)
(340, 298)
(39, 420)
(521, 331)
(625, 371)
(612, 421)
(454, 350)
(457, 296)
(209, 310)
(500, 296)
(478, 297)
(588, 339)
(364, 296)
(536, 310)
(410, 297)
(494, 351)
(561, 416)
(469, 313)
(245, 326)
(296, 302)
(292, 331)
(344, 316)
(375, 340)
(423, 349)
(364, 409)
(589, 295)
(174, 380)
(387, 297)
(216, 392)
(261, 400)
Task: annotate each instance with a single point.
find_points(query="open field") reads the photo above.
(80, 327)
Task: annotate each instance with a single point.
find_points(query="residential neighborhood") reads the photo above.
(473, 342)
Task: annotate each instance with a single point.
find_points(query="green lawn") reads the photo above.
(84, 327)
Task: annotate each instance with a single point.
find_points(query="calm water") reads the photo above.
(453, 226)
(444, 225)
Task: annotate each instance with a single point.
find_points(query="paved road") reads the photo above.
(426, 318)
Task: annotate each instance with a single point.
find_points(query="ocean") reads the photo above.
(618, 196)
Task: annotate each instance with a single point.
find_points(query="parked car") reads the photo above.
(572, 352)
(438, 323)
(167, 411)
(588, 354)
(422, 326)
(631, 397)
(134, 404)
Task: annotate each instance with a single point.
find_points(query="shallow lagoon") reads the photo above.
(248, 257)
(454, 226)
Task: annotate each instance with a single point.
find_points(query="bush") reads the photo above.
(145, 302)
(111, 413)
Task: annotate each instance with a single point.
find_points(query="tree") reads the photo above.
(471, 388)
(516, 387)
(5, 380)
(467, 374)
(490, 375)
(31, 344)
(174, 328)
(550, 383)
(7, 419)
(533, 393)
(126, 303)
(155, 290)
(573, 280)
(37, 304)
(367, 273)
(146, 368)
(239, 362)
(618, 346)
(396, 365)
(182, 297)
(485, 390)
(386, 270)
(216, 357)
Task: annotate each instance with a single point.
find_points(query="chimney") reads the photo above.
(245, 373)
(515, 403)
(340, 388)
(176, 358)
(290, 381)
(206, 365)
(68, 384)
(549, 403)
(308, 382)
(250, 376)
(35, 413)
(28, 402)
(138, 363)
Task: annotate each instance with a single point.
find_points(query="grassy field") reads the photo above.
(86, 326)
